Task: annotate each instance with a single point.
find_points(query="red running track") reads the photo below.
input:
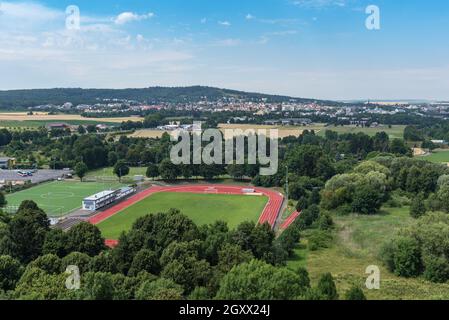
(269, 214)
(288, 222)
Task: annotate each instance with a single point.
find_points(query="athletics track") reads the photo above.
(269, 214)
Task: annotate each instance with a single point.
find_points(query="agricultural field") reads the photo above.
(201, 208)
(284, 131)
(33, 124)
(41, 118)
(358, 240)
(395, 132)
(439, 156)
(147, 133)
(60, 197)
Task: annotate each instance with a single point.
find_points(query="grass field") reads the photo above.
(395, 132)
(60, 197)
(109, 172)
(441, 156)
(357, 244)
(201, 208)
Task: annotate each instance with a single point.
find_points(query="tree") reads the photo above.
(36, 284)
(418, 207)
(443, 196)
(181, 263)
(154, 232)
(97, 286)
(103, 262)
(436, 269)
(81, 130)
(289, 239)
(112, 158)
(10, 272)
(145, 260)
(3, 201)
(121, 169)
(85, 238)
(168, 170)
(50, 263)
(55, 243)
(326, 287)
(81, 169)
(91, 128)
(81, 260)
(304, 280)
(161, 289)
(407, 257)
(355, 293)
(257, 239)
(236, 171)
(367, 200)
(231, 255)
(257, 280)
(27, 231)
(152, 171)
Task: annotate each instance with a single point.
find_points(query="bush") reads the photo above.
(418, 207)
(325, 222)
(326, 287)
(405, 256)
(319, 239)
(436, 269)
(355, 293)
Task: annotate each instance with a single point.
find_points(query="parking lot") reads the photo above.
(37, 177)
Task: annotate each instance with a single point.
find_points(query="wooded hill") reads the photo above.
(16, 99)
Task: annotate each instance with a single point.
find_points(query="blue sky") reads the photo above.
(305, 48)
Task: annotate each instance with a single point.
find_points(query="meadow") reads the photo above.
(358, 240)
(439, 156)
(109, 172)
(201, 208)
(395, 132)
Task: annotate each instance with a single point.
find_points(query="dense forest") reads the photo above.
(15, 99)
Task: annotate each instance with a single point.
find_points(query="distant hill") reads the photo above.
(16, 99)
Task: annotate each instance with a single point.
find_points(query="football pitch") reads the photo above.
(60, 197)
(201, 208)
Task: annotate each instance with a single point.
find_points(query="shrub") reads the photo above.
(355, 293)
(436, 269)
(319, 239)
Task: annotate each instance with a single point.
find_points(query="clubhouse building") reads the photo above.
(105, 198)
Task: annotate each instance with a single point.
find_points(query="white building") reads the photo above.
(104, 198)
(99, 200)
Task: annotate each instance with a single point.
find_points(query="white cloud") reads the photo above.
(228, 43)
(224, 23)
(320, 3)
(126, 17)
(249, 16)
(28, 11)
(203, 21)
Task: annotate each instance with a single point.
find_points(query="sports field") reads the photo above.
(201, 208)
(60, 197)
